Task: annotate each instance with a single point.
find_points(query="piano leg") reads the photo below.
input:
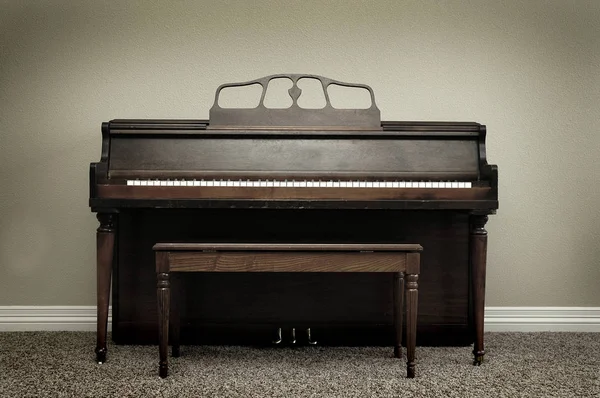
(478, 245)
(105, 242)
(398, 309)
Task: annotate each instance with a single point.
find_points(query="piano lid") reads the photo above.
(294, 117)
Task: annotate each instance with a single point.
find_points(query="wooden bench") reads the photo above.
(399, 259)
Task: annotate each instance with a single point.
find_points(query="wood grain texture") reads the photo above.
(398, 292)
(326, 155)
(478, 244)
(342, 309)
(108, 191)
(105, 242)
(163, 296)
(296, 247)
(286, 262)
(412, 296)
(193, 257)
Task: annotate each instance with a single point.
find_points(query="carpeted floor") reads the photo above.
(61, 364)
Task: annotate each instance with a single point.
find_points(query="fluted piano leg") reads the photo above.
(478, 245)
(105, 242)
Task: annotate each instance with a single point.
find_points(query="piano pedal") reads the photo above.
(309, 338)
(279, 339)
(293, 340)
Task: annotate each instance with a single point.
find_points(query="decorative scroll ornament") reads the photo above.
(294, 117)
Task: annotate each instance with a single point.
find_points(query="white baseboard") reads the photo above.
(542, 319)
(497, 319)
(21, 318)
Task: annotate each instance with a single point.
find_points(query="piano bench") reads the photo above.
(398, 259)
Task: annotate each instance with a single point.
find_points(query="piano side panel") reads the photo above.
(341, 309)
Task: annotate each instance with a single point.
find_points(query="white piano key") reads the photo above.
(343, 184)
(402, 184)
(336, 184)
(428, 184)
(468, 185)
(129, 182)
(362, 184)
(144, 183)
(421, 184)
(388, 184)
(435, 184)
(369, 184)
(461, 184)
(455, 184)
(395, 184)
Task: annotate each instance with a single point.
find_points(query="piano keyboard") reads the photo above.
(300, 184)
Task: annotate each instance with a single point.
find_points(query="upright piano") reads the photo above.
(293, 175)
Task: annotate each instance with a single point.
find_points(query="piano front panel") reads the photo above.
(156, 156)
(341, 309)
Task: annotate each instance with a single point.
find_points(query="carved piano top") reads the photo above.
(293, 158)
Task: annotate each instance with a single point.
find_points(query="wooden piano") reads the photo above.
(293, 175)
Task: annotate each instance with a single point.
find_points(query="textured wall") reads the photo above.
(529, 70)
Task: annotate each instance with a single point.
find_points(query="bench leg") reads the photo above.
(412, 296)
(398, 309)
(163, 294)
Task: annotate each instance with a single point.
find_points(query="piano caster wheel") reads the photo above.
(398, 352)
(101, 355)
(163, 371)
(410, 372)
(279, 339)
(309, 337)
(478, 360)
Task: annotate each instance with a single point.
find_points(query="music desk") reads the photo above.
(398, 259)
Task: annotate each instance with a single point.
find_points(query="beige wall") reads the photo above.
(529, 70)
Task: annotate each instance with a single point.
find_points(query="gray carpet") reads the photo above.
(52, 364)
